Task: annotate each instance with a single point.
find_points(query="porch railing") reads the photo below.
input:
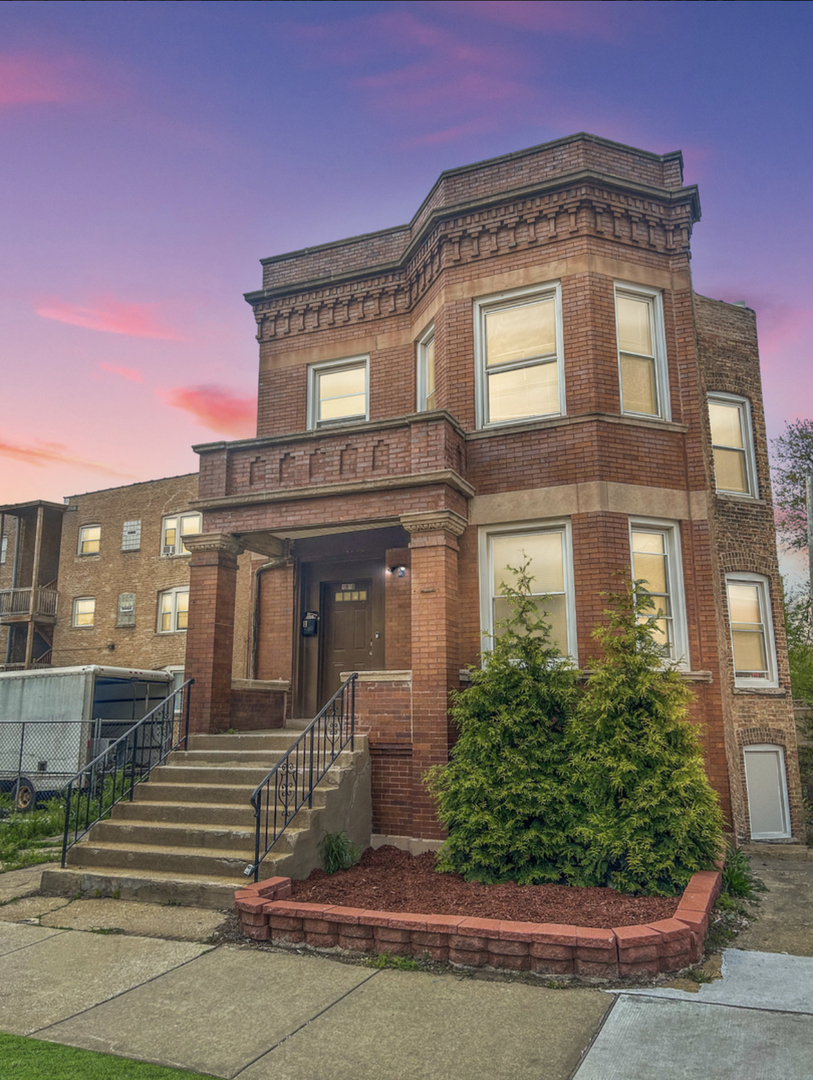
(290, 784)
(41, 601)
(113, 774)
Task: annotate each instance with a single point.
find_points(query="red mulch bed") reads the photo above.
(388, 879)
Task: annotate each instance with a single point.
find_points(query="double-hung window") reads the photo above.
(734, 464)
(84, 611)
(338, 392)
(90, 538)
(752, 641)
(546, 550)
(173, 610)
(175, 528)
(426, 371)
(518, 342)
(641, 352)
(656, 563)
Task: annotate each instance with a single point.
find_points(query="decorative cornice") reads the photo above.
(215, 541)
(448, 477)
(434, 521)
(583, 203)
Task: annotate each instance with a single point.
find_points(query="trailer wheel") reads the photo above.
(25, 795)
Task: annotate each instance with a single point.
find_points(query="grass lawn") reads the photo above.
(32, 1059)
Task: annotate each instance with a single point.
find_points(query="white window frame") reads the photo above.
(174, 593)
(513, 298)
(771, 681)
(658, 336)
(177, 672)
(179, 534)
(314, 372)
(424, 341)
(82, 541)
(3, 549)
(83, 600)
(486, 570)
(670, 530)
(747, 430)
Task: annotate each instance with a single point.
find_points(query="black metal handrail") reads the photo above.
(113, 774)
(290, 784)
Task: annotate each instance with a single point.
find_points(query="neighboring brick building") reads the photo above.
(524, 367)
(110, 575)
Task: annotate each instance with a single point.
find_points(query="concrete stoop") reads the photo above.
(188, 835)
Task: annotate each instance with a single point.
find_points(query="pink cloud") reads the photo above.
(27, 79)
(111, 316)
(450, 134)
(47, 453)
(133, 374)
(216, 408)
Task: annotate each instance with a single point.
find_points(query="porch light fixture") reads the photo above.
(399, 571)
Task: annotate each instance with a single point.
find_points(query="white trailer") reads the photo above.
(53, 721)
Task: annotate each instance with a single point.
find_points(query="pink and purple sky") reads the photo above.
(153, 152)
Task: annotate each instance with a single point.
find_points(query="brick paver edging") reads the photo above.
(267, 914)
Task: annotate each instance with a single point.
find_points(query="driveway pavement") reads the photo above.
(124, 978)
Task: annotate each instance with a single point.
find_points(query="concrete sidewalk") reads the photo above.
(145, 982)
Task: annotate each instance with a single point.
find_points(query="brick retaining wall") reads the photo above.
(267, 913)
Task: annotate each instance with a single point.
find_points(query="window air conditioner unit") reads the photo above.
(168, 549)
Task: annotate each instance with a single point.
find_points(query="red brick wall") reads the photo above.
(257, 710)
(743, 539)
(398, 612)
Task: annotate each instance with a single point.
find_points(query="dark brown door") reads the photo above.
(349, 642)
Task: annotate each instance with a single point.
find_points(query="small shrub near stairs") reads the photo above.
(503, 796)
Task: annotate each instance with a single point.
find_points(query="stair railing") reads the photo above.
(290, 784)
(115, 771)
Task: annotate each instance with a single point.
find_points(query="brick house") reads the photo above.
(102, 578)
(523, 368)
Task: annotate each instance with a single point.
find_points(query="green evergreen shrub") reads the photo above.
(502, 795)
(646, 815)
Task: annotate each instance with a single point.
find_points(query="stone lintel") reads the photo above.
(434, 521)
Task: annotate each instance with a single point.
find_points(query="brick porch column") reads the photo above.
(210, 633)
(435, 657)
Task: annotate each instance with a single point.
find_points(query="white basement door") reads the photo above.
(767, 792)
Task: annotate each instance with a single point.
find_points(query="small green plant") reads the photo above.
(402, 963)
(697, 975)
(30, 838)
(338, 852)
(739, 879)
(116, 894)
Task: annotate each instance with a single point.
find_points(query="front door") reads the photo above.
(349, 641)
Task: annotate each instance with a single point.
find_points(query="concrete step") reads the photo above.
(279, 738)
(212, 864)
(221, 794)
(156, 887)
(227, 815)
(157, 835)
(241, 759)
(209, 775)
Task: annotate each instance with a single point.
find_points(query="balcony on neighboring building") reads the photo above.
(19, 605)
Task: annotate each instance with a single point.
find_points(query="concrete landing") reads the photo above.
(650, 1038)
